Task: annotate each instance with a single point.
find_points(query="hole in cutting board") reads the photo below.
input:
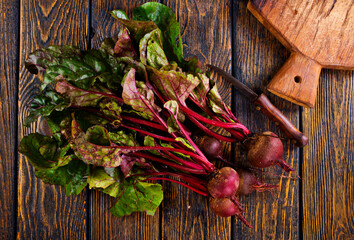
(297, 79)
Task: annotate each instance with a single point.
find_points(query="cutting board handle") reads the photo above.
(297, 80)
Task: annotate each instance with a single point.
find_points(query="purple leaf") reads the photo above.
(138, 96)
(200, 92)
(106, 156)
(174, 85)
(124, 46)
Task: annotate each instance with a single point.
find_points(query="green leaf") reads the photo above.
(79, 68)
(122, 138)
(42, 151)
(150, 141)
(98, 135)
(44, 105)
(166, 21)
(137, 197)
(41, 59)
(99, 178)
(72, 176)
(185, 143)
(111, 109)
(87, 119)
(172, 125)
(119, 14)
(129, 63)
(137, 29)
(217, 104)
(78, 97)
(200, 92)
(90, 153)
(138, 96)
(108, 46)
(151, 51)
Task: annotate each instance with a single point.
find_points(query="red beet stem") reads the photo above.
(169, 163)
(182, 161)
(213, 122)
(144, 122)
(209, 166)
(210, 132)
(143, 148)
(180, 183)
(196, 182)
(150, 134)
(157, 117)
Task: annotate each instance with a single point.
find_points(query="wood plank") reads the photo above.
(328, 166)
(205, 27)
(8, 111)
(44, 211)
(103, 224)
(257, 57)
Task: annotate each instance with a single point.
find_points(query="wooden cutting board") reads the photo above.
(319, 33)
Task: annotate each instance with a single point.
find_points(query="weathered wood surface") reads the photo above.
(319, 206)
(328, 165)
(44, 211)
(8, 113)
(257, 55)
(320, 30)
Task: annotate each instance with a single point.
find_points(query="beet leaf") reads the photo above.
(138, 96)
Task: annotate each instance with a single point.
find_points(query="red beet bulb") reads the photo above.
(224, 183)
(266, 150)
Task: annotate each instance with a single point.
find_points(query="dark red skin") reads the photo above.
(223, 207)
(224, 183)
(247, 181)
(210, 146)
(226, 207)
(266, 150)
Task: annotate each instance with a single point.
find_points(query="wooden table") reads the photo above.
(319, 205)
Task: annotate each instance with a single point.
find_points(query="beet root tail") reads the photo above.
(261, 187)
(237, 203)
(244, 220)
(285, 166)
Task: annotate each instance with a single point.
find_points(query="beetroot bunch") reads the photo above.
(135, 111)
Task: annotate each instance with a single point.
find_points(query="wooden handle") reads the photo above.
(268, 109)
(297, 80)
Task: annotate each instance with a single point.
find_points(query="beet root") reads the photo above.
(226, 207)
(224, 183)
(266, 150)
(210, 146)
(223, 207)
(249, 183)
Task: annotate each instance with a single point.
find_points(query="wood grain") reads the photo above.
(257, 55)
(320, 30)
(319, 34)
(297, 80)
(205, 27)
(44, 211)
(9, 26)
(103, 224)
(328, 166)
